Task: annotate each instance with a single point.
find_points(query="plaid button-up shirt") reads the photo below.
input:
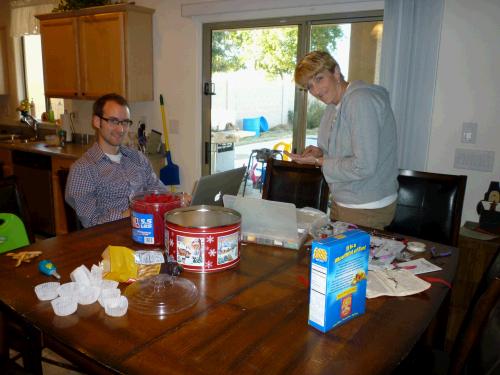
(99, 189)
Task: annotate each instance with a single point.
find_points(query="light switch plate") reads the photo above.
(476, 160)
(469, 132)
(174, 126)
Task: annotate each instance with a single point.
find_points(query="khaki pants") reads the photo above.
(376, 218)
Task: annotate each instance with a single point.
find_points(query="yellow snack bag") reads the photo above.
(119, 263)
(122, 264)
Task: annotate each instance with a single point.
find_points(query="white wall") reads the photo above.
(467, 90)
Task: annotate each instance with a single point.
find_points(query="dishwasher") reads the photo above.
(34, 176)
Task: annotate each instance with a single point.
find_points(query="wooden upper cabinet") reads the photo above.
(95, 51)
(102, 54)
(60, 57)
(4, 82)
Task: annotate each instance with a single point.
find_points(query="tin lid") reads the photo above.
(203, 217)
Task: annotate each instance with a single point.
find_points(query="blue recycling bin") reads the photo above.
(256, 124)
(252, 124)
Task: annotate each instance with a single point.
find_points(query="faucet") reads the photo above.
(32, 123)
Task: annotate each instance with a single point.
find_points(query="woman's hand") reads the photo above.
(312, 151)
(308, 159)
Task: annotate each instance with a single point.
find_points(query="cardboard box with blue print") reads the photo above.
(339, 267)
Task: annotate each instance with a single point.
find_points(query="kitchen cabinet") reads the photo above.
(94, 51)
(58, 195)
(4, 86)
(6, 159)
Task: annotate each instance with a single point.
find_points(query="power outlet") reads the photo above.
(469, 132)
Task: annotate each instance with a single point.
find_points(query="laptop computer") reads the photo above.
(210, 189)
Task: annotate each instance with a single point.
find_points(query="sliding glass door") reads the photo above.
(250, 101)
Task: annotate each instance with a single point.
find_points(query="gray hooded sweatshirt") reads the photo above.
(359, 145)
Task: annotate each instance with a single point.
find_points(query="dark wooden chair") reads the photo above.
(429, 206)
(12, 201)
(72, 221)
(303, 185)
(477, 347)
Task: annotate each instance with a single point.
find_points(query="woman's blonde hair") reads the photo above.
(311, 64)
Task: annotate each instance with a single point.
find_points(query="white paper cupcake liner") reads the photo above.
(109, 284)
(81, 275)
(64, 306)
(117, 309)
(109, 296)
(68, 289)
(88, 295)
(47, 291)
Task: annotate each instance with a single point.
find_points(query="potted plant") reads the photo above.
(67, 5)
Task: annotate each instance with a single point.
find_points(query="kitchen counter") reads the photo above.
(69, 151)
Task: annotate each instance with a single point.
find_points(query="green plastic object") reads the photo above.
(12, 233)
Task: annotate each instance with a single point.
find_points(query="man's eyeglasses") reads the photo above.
(115, 122)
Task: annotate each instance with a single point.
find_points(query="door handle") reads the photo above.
(207, 152)
(209, 88)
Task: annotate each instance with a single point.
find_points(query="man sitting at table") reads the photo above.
(101, 182)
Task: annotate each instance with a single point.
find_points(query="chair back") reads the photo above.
(301, 184)
(429, 206)
(12, 233)
(72, 221)
(476, 350)
(12, 201)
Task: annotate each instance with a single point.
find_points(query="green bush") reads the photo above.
(315, 110)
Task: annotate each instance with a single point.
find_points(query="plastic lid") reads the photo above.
(161, 295)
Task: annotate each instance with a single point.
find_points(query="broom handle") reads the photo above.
(164, 123)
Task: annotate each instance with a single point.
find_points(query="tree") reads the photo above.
(277, 52)
(324, 38)
(226, 50)
(272, 49)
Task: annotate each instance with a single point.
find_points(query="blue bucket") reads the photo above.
(263, 124)
(252, 124)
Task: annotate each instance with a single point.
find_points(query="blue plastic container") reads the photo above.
(252, 124)
(263, 124)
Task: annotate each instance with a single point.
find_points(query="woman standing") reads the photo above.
(356, 142)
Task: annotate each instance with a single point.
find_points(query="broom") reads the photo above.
(169, 174)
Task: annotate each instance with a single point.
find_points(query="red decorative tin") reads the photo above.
(203, 238)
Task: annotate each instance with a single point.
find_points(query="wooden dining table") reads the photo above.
(250, 319)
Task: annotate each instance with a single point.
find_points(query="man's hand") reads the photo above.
(126, 213)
